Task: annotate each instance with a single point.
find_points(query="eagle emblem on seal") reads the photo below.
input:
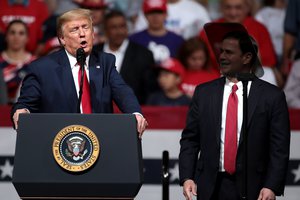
(76, 148)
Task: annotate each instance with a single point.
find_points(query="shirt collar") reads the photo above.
(122, 48)
(73, 60)
(230, 84)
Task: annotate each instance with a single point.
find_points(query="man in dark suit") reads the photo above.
(213, 130)
(134, 62)
(52, 85)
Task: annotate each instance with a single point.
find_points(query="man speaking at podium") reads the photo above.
(58, 83)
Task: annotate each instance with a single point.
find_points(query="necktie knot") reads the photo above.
(234, 88)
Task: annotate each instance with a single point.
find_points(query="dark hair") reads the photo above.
(112, 14)
(246, 42)
(17, 21)
(189, 47)
(10, 24)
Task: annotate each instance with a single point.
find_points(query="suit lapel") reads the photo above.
(217, 103)
(253, 98)
(96, 81)
(67, 82)
(254, 95)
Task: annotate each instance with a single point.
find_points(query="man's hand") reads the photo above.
(189, 188)
(266, 194)
(141, 124)
(16, 116)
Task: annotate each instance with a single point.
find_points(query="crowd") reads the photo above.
(161, 48)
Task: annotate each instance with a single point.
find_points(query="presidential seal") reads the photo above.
(76, 148)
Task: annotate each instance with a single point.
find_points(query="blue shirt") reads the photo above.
(162, 47)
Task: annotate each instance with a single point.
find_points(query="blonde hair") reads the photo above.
(74, 14)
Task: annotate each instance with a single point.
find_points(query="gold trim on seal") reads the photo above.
(71, 166)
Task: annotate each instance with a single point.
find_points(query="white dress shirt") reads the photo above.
(119, 54)
(75, 68)
(227, 92)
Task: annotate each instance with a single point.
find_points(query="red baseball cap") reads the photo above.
(92, 4)
(154, 5)
(173, 65)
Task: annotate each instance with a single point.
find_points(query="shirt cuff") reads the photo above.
(137, 113)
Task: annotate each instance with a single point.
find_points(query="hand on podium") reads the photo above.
(141, 124)
(16, 116)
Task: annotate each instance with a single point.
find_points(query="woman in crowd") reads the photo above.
(14, 58)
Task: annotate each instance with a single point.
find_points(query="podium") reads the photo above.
(117, 173)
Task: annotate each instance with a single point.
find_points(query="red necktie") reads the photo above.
(230, 148)
(86, 96)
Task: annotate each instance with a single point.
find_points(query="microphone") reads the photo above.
(80, 57)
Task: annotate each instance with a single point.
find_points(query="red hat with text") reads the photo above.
(173, 65)
(154, 5)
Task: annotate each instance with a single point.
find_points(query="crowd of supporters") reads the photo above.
(161, 48)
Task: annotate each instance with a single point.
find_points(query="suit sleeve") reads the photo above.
(279, 145)
(122, 94)
(30, 92)
(190, 142)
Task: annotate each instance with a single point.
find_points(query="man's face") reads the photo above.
(77, 33)
(156, 20)
(116, 30)
(231, 58)
(234, 10)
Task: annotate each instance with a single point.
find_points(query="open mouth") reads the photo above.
(83, 44)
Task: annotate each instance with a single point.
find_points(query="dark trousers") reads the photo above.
(225, 188)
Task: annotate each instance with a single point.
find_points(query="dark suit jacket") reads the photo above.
(268, 139)
(137, 70)
(49, 86)
(3, 93)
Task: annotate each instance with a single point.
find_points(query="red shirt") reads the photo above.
(259, 32)
(34, 14)
(194, 78)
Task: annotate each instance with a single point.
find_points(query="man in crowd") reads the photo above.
(134, 62)
(186, 18)
(162, 42)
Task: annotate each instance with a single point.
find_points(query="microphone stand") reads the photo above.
(245, 77)
(80, 57)
(80, 87)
